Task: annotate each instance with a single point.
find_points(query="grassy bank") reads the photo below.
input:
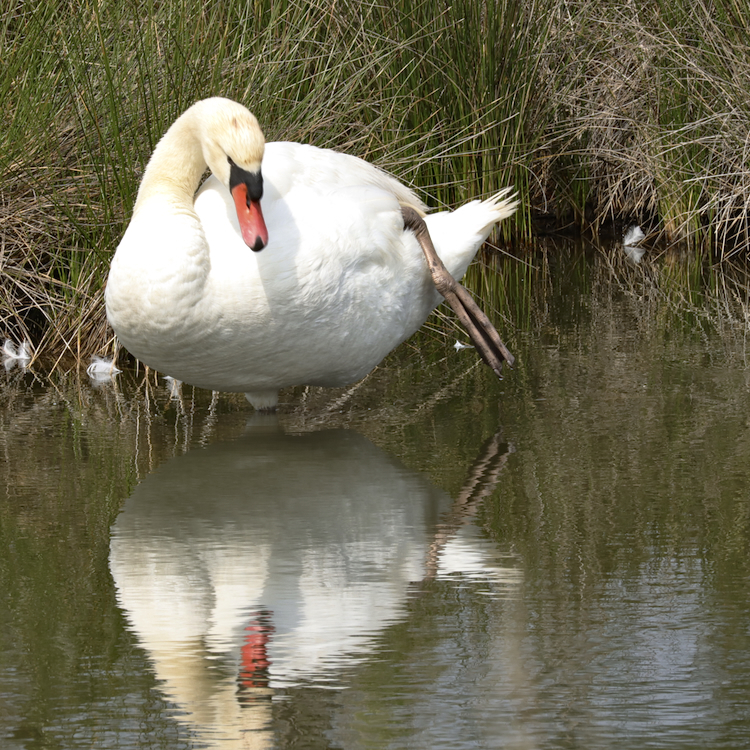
(594, 111)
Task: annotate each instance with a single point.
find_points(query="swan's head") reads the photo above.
(233, 145)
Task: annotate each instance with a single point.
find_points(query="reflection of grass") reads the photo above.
(610, 111)
(630, 419)
(558, 279)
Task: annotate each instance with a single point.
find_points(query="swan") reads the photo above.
(307, 272)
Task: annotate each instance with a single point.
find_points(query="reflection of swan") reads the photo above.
(341, 282)
(270, 561)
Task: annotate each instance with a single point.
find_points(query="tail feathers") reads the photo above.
(479, 217)
(502, 204)
(459, 234)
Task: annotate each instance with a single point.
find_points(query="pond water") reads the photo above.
(430, 559)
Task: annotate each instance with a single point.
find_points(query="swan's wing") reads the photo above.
(291, 164)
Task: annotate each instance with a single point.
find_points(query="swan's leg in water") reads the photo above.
(486, 339)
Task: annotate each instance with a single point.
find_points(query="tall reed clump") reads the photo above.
(429, 93)
(656, 117)
(593, 111)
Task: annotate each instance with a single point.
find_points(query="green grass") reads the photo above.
(594, 111)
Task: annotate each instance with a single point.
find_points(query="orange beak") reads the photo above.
(252, 224)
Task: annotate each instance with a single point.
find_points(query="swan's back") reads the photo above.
(290, 165)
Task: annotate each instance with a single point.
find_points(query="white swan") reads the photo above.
(340, 281)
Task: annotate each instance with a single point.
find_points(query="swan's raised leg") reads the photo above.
(486, 339)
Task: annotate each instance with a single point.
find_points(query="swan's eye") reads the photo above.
(231, 163)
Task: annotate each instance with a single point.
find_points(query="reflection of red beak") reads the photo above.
(254, 655)
(252, 224)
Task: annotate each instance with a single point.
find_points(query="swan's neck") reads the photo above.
(176, 166)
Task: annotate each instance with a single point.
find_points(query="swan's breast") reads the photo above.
(157, 278)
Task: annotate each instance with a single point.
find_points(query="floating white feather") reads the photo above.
(633, 236)
(630, 242)
(13, 356)
(102, 369)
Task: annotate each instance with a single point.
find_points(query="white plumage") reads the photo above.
(339, 284)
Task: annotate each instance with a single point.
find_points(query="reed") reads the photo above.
(593, 111)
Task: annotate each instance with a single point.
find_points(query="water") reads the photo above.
(432, 559)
